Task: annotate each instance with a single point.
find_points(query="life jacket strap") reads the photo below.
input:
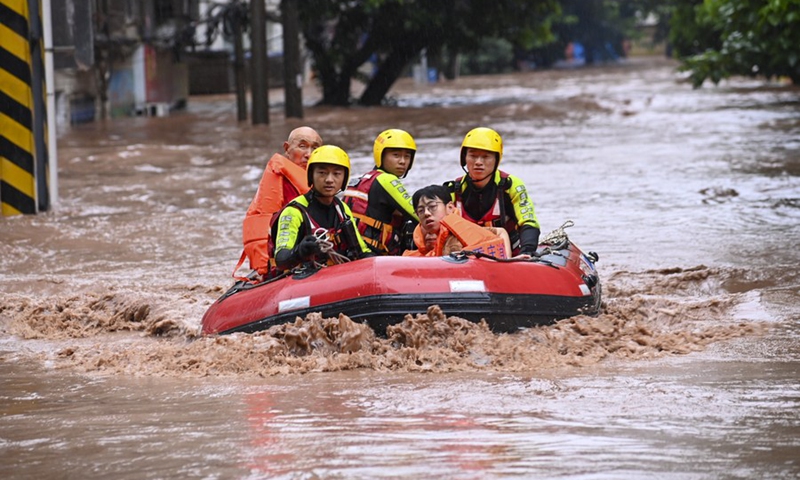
(385, 229)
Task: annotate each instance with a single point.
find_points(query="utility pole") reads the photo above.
(50, 91)
(39, 107)
(238, 72)
(258, 62)
(292, 73)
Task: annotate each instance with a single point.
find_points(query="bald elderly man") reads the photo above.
(284, 179)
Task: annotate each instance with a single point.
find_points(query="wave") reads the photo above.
(648, 314)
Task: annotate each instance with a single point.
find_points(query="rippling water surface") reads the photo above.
(691, 198)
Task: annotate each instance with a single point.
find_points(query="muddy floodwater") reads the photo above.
(691, 198)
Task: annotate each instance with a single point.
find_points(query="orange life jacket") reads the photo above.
(357, 198)
(267, 202)
(472, 237)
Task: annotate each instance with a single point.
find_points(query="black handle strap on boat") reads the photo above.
(470, 253)
(305, 270)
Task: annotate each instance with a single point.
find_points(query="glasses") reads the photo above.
(430, 207)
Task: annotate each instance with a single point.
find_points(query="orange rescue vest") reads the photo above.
(267, 202)
(472, 237)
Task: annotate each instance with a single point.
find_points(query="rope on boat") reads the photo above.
(557, 236)
(556, 240)
(326, 246)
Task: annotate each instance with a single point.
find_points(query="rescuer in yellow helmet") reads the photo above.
(490, 197)
(317, 226)
(379, 200)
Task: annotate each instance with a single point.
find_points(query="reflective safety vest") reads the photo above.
(495, 216)
(357, 198)
(267, 202)
(471, 236)
(342, 235)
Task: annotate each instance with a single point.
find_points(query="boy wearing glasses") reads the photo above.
(442, 230)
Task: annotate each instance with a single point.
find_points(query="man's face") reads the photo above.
(480, 163)
(396, 161)
(328, 179)
(299, 148)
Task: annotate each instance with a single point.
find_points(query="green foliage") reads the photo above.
(691, 33)
(739, 37)
(597, 24)
(495, 55)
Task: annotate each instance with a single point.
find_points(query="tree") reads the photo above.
(719, 38)
(600, 26)
(343, 35)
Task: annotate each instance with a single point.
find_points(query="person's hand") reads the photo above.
(308, 246)
(521, 256)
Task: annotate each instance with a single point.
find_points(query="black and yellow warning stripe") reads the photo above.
(18, 166)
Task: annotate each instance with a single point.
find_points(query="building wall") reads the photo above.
(96, 40)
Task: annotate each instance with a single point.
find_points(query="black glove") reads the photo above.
(528, 240)
(308, 246)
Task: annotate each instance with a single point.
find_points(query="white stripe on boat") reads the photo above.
(467, 286)
(294, 304)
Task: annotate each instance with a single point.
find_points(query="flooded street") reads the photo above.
(691, 198)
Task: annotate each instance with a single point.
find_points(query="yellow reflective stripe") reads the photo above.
(16, 45)
(17, 161)
(15, 88)
(19, 6)
(17, 177)
(16, 133)
(8, 210)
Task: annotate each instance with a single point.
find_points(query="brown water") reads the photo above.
(691, 198)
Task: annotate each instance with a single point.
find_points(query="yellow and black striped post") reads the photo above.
(23, 115)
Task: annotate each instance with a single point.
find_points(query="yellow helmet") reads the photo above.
(393, 138)
(332, 155)
(484, 139)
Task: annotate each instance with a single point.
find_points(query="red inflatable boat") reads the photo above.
(561, 282)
